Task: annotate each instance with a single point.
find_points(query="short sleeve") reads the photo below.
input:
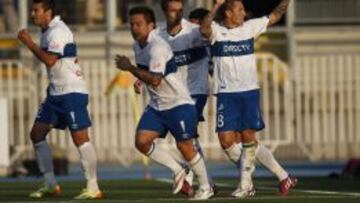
(159, 56)
(258, 25)
(56, 42)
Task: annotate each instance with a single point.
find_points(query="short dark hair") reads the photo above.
(199, 14)
(164, 3)
(226, 6)
(144, 10)
(48, 4)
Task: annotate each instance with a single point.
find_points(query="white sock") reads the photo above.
(176, 154)
(88, 161)
(198, 166)
(234, 153)
(247, 165)
(45, 162)
(164, 158)
(266, 158)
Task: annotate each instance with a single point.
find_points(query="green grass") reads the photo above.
(308, 190)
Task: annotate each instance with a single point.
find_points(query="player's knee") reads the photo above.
(226, 142)
(80, 137)
(187, 149)
(143, 145)
(80, 141)
(248, 136)
(226, 145)
(36, 136)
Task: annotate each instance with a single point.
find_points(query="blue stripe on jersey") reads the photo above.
(230, 48)
(170, 67)
(190, 56)
(70, 51)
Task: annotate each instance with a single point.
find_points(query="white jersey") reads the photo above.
(234, 56)
(157, 57)
(191, 56)
(65, 76)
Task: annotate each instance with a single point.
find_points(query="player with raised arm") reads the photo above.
(170, 108)
(237, 89)
(66, 103)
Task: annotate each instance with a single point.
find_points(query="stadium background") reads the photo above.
(309, 68)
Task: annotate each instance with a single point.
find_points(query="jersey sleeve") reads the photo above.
(258, 25)
(215, 27)
(159, 56)
(56, 42)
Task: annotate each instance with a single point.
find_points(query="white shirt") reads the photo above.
(65, 76)
(191, 56)
(233, 55)
(157, 57)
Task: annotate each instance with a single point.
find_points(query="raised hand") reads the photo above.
(278, 12)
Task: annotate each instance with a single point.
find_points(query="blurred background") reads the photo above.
(309, 68)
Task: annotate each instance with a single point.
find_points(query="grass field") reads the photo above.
(317, 190)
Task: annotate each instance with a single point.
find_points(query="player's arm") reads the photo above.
(278, 12)
(205, 25)
(123, 63)
(49, 59)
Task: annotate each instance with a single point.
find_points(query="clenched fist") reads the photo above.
(123, 63)
(25, 37)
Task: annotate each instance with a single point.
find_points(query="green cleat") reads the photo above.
(88, 194)
(46, 192)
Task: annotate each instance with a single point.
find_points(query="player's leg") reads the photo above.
(181, 122)
(38, 135)
(76, 117)
(150, 128)
(88, 160)
(227, 125)
(250, 122)
(200, 101)
(266, 157)
(46, 119)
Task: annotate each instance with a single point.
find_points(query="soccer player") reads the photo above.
(191, 57)
(66, 101)
(237, 89)
(170, 108)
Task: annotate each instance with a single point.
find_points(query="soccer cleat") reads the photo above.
(187, 189)
(244, 193)
(179, 180)
(88, 194)
(286, 184)
(46, 192)
(203, 194)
